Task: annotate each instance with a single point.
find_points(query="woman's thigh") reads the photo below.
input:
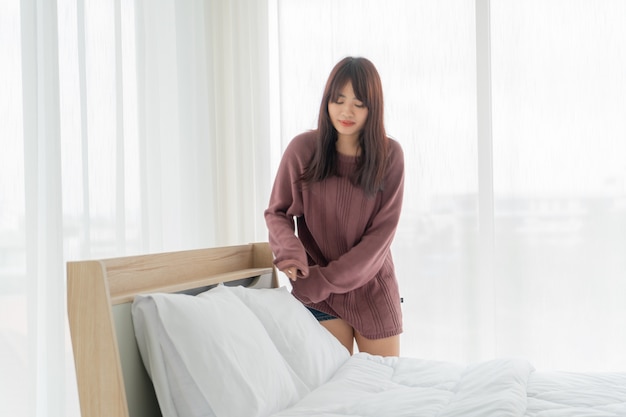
(342, 331)
(388, 346)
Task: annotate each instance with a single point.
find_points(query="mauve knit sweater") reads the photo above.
(342, 247)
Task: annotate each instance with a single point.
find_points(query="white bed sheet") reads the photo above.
(396, 387)
(556, 394)
(254, 352)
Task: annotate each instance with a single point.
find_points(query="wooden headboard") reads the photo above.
(112, 380)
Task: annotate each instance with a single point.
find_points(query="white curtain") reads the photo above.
(511, 116)
(126, 127)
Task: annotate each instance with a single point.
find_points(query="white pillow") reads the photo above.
(311, 350)
(210, 355)
(175, 389)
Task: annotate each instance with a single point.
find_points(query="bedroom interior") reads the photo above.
(136, 128)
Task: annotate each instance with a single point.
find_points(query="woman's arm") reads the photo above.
(285, 203)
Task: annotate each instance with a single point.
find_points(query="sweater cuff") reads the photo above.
(302, 269)
(314, 289)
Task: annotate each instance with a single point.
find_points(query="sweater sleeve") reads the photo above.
(361, 263)
(285, 203)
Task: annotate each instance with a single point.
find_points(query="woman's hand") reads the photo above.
(291, 272)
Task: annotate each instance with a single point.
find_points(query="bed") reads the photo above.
(209, 332)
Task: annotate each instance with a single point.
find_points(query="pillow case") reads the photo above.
(211, 355)
(174, 387)
(311, 350)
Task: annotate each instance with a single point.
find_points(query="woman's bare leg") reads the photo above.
(388, 346)
(342, 331)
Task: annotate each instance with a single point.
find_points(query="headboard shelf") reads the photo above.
(240, 274)
(94, 287)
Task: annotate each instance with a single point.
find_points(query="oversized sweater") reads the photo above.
(339, 238)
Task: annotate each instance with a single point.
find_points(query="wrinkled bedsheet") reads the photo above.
(397, 387)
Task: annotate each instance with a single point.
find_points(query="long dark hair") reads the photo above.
(372, 161)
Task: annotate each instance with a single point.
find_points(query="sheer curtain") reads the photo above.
(127, 127)
(510, 114)
(132, 126)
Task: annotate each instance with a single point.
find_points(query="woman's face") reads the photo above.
(347, 114)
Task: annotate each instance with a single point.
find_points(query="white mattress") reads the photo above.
(393, 387)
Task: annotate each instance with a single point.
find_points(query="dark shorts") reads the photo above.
(320, 315)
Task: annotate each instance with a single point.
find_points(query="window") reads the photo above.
(539, 276)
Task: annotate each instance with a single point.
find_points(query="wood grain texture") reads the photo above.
(96, 356)
(95, 286)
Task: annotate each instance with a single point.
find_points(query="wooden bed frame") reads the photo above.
(112, 380)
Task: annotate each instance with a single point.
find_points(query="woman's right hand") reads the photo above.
(291, 272)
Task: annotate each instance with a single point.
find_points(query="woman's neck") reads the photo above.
(348, 145)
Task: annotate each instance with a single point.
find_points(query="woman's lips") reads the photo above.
(346, 123)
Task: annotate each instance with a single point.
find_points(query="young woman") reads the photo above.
(334, 209)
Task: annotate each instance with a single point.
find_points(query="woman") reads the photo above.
(334, 209)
